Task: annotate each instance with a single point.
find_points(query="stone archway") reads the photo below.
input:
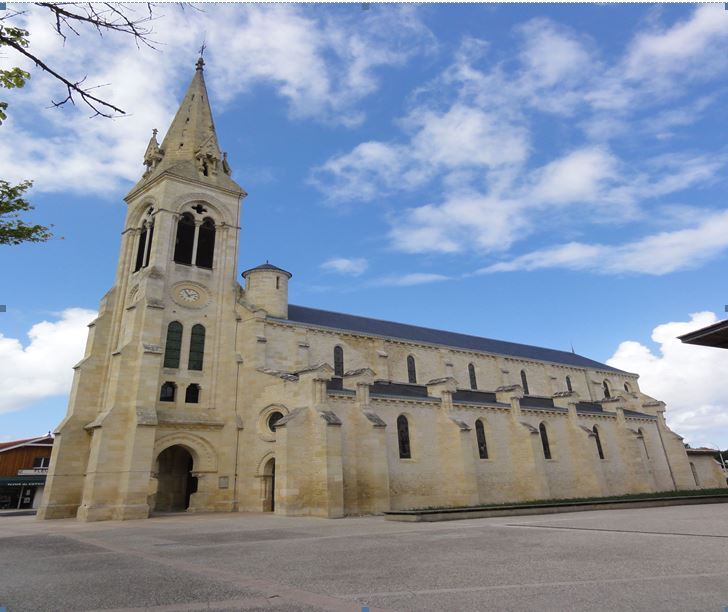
(175, 480)
(269, 485)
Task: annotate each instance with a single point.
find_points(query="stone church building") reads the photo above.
(198, 393)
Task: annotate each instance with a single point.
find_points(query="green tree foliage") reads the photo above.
(15, 77)
(13, 230)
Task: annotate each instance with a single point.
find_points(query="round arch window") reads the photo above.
(273, 419)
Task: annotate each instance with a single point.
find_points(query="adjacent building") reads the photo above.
(23, 469)
(197, 393)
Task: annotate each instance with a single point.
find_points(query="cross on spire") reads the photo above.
(201, 61)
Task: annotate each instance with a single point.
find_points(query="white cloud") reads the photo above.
(461, 137)
(465, 136)
(348, 267)
(656, 254)
(42, 368)
(689, 379)
(322, 67)
(680, 49)
(468, 140)
(464, 220)
(578, 177)
(408, 280)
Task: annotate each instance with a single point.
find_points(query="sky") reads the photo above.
(545, 174)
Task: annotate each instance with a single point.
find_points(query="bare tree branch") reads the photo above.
(91, 100)
(103, 17)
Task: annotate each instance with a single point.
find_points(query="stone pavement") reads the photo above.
(673, 558)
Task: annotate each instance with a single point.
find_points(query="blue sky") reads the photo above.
(547, 174)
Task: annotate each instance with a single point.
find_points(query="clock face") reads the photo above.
(189, 295)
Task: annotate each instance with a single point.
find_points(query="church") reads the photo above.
(199, 393)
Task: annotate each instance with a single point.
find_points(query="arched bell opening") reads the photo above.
(175, 480)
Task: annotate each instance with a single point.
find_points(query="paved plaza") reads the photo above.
(673, 558)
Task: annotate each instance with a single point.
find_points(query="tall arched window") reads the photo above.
(403, 437)
(197, 347)
(192, 394)
(568, 385)
(338, 361)
(627, 388)
(544, 441)
(141, 250)
(607, 393)
(473, 378)
(411, 370)
(524, 382)
(150, 240)
(598, 440)
(206, 244)
(167, 392)
(480, 436)
(173, 346)
(185, 239)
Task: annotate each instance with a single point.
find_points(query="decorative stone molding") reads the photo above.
(173, 417)
(374, 418)
(260, 468)
(146, 416)
(264, 432)
(294, 414)
(278, 373)
(330, 417)
(204, 456)
(531, 429)
(461, 424)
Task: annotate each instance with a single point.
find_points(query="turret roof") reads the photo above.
(267, 266)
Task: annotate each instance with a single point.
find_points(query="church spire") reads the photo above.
(190, 148)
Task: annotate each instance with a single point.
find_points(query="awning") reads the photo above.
(22, 481)
(713, 335)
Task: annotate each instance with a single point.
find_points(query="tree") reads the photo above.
(13, 230)
(69, 19)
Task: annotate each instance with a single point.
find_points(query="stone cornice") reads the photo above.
(400, 399)
(461, 404)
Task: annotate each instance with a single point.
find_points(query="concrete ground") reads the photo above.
(673, 558)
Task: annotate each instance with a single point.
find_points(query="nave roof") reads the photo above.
(414, 333)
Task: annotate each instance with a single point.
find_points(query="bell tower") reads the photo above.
(161, 353)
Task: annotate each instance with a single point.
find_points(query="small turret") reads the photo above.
(266, 286)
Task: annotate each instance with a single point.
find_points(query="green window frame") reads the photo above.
(173, 346)
(197, 348)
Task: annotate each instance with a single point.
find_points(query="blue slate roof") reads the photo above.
(267, 266)
(377, 327)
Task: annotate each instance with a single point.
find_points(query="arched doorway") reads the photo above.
(175, 480)
(269, 486)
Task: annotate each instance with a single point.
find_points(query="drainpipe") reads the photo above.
(237, 428)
